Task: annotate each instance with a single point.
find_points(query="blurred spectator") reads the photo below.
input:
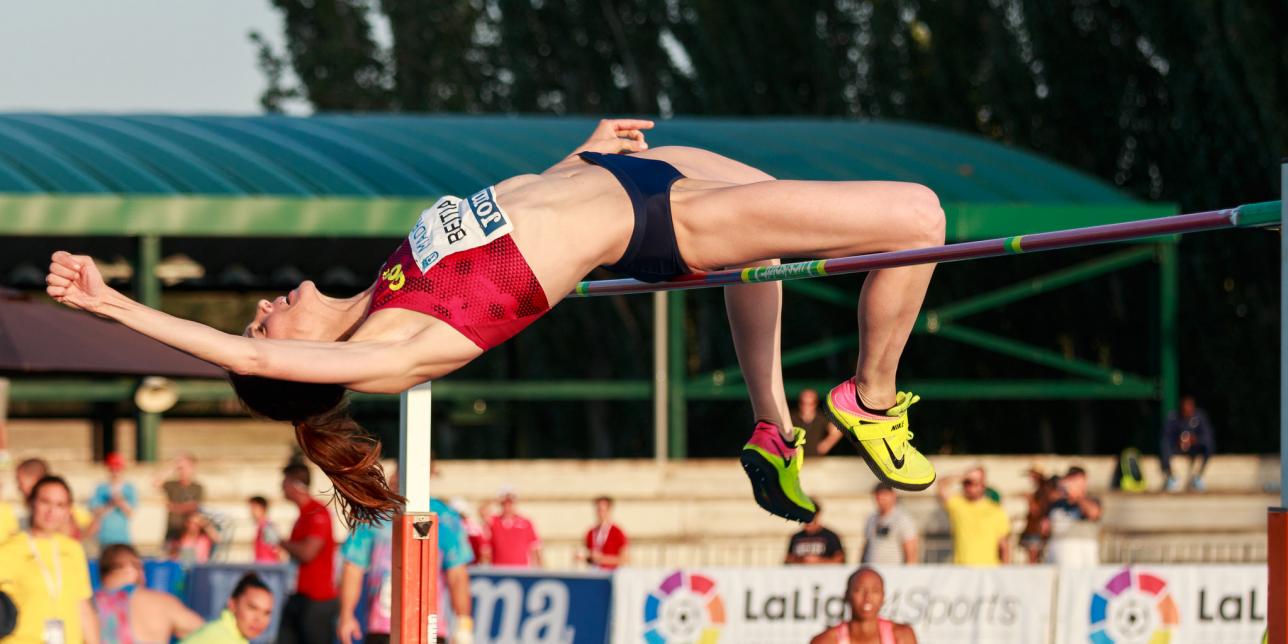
(246, 617)
(514, 540)
(28, 472)
(183, 495)
(128, 611)
(820, 434)
(1187, 432)
(1072, 523)
(865, 594)
(309, 615)
(33, 469)
(195, 543)
(815, 544)
(475, 531)
(605, 542)
(45, 573)
(113, 504)
(267, 540)
(369, 550)
(981, 531)
(890, 536)
(1033, 537)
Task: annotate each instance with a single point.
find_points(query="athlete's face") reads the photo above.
(867, 593)
(291, 316)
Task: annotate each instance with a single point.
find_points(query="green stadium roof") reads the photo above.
(400, 155)
(361, 175)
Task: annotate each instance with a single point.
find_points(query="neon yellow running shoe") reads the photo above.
(774, 468)
(885, 442)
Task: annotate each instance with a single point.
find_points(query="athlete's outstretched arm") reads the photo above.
(74, 280)
(611, 136)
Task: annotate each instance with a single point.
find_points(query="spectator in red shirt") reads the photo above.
(267, 540)
(605, 542)
(475, 531)
(514, 539)
(309, 615)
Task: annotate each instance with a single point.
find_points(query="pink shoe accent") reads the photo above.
(767, 437)
(845, 396)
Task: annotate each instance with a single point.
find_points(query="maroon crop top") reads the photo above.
(488, 293)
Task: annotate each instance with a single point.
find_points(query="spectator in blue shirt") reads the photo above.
(1187, 432)
(113, 504)
(367, 559)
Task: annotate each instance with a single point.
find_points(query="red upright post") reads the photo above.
(415, 579)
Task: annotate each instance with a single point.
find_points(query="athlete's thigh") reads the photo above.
(698, 165)
(733, 225)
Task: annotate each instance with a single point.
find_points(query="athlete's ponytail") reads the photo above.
(331, 438)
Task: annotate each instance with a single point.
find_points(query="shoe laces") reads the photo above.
(903, 436)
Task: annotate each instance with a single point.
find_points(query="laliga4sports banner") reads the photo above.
(1146, 604)
(794, 603)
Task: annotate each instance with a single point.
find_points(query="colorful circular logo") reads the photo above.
(684, 609)
(1133, 608)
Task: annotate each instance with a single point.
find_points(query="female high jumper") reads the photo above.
(474, 272)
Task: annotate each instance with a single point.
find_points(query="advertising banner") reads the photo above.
(794, 603)
(1149, 604)
(515, 606)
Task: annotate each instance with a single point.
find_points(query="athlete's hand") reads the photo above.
(75, 281)
(617, 135)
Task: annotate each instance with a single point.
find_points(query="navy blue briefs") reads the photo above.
(652, 254)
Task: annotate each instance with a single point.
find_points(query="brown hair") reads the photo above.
(47, 479)
(331, 438)
(115, 556)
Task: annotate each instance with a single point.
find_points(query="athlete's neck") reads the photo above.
(350, 312)
(862, 628)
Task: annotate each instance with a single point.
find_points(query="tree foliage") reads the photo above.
(1179, 101)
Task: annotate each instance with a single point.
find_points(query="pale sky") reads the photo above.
(176, 56)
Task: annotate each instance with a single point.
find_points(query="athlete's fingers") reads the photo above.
(63, 271)
(632, 124)
(65, 258)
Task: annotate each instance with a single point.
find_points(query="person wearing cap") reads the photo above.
(113, 504)
(890, 535)
(514, 538)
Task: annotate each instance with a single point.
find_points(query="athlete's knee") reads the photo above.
(925, 215)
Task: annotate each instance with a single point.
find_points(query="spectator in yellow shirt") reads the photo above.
(45, 573)
(981, 531)
(29, 471)
(8, 520)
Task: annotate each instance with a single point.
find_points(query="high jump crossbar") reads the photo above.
(415, 548)
(1245, 216)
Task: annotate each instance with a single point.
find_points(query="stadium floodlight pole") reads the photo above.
(1245, 216)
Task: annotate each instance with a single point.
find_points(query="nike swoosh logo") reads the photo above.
(898, 462)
